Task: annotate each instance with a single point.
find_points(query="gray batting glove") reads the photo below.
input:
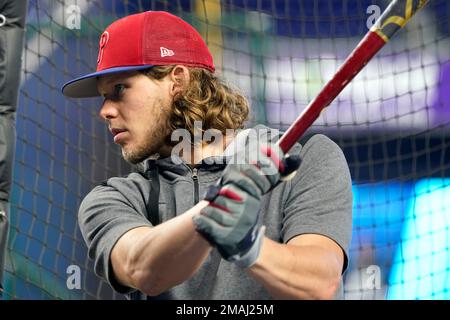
(230, 220)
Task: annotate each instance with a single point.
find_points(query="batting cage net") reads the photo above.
(392, 122)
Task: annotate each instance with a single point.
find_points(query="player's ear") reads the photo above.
(180, 79)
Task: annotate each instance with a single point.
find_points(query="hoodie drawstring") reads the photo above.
(153, 200)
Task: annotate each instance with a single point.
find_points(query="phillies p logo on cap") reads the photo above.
(101, 45)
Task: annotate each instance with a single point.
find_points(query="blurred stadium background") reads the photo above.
(392, 121)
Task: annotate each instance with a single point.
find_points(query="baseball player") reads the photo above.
(226, 225)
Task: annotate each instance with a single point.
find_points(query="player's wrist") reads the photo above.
(246, 259)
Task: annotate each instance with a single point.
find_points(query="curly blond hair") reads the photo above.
(207, 98)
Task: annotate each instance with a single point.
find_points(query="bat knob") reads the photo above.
(291, 164)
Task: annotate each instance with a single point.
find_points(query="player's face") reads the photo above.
(136, 109)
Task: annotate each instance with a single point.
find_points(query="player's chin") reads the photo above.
(133, 155)
(130, 157)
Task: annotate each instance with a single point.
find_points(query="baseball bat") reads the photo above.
(396, 15)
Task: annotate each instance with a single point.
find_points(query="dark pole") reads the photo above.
(12, 30)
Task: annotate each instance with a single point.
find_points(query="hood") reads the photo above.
(178, 166)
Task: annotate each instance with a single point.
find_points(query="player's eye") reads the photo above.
(115, 94)
(118, 90)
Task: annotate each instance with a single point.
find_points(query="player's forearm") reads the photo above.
(296, 272)
(170, 254)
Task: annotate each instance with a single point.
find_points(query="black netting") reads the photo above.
(392, 122)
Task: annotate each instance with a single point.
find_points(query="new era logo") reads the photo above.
(166, 52)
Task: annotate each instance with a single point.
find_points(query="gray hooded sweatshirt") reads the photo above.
(318, 200)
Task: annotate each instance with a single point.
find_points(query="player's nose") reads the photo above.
(108, 110)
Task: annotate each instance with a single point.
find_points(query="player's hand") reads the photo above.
(230, 220)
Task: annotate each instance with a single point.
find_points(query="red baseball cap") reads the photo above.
(141, 41)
